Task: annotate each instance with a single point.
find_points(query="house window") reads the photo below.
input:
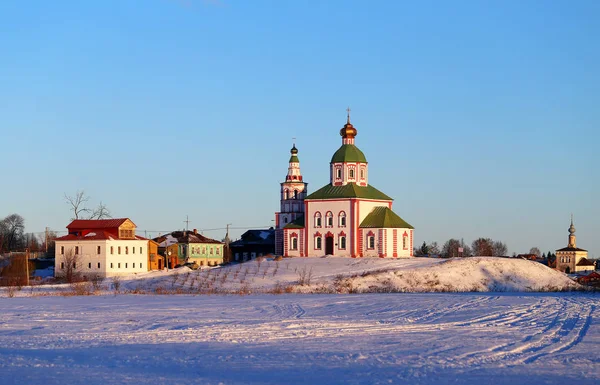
(342, 219)
(329, 219)
(112, 250)
(111, 265)
(119, 250)
(211, 251)
(62, 250)
(126, 249)
(342, 242)
(119, 265)
(62, 265)
(98, 265)
(318, 243)
(141, 250)
(371, 242)
(317, 219)
(204, 250)
(134, 265)
(140, 265)
(133, 250)
(294, 242)
(351, 173)
(217, 251)
(76, 249)
(89, 265)
(126, 265)
(98, 250)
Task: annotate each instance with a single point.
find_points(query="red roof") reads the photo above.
(95, 236)
(85, 224)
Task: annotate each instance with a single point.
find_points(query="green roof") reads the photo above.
(350, 190)
(384, 217)
(294, 158)
(298, 223)
(348, 153)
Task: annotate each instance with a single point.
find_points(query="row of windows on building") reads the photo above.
(565, 259)
(62, 265)
(329, 219)
(211, 250)
(338, 173)
(342, 242)
(79, 250)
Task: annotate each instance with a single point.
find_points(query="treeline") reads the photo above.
(458, 248)
(14, 238)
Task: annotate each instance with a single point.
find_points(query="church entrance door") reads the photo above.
(329, 246)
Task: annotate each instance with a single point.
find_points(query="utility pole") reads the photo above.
(27, 266)
(187, 223)
(46, 239)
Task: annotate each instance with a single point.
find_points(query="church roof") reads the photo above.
(298, 223)
(585, 262)
(384, 217)
(348, 153)
(571, 249)
(350, 190)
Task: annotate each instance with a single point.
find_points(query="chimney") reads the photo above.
(195, 232)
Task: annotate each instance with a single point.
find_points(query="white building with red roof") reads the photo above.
(101, 247)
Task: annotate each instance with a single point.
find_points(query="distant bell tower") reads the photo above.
(292, 194)
(572, 240)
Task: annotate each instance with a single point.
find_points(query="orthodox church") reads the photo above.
(572, 259)
(347, 217)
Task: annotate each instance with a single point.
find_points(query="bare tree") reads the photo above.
(77, 203)
(101, 212)
(536, 251)
(483, 247)
(12, 228)
(499, 249)
(79, 209)
(450, 249)
(70, 268)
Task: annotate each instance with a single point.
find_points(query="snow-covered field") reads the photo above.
(433, 338)
(505, 334)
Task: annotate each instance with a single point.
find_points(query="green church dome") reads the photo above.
(348, 153)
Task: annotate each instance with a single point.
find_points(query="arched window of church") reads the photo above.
(404, 242)
(317, 219)
(342, 243)
(342, 219)
(295, 194)
(286, 194)
(371, 242)
(294, 242)
(285, 219)
(338, 173)
(362, 173)
(351, 173)
(329, 219)
(318, 243)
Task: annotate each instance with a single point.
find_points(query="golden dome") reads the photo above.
(348, 131)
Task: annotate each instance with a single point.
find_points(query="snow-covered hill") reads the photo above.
(346, 275)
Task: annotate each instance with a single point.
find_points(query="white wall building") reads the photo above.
(104, 248)
(347, 217)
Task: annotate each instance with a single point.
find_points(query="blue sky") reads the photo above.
(479, 118)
